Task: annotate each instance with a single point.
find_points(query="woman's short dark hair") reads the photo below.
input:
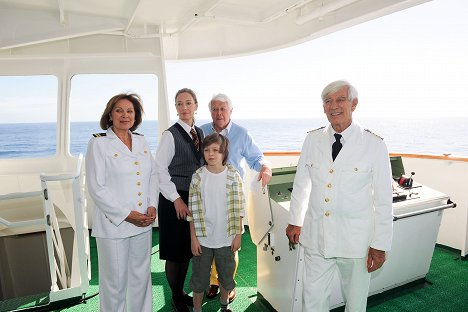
(219, 139)
(189, 91)
(135, 99)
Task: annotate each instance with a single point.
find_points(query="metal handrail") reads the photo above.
(449, 204)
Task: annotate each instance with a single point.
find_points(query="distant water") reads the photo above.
(423, 136)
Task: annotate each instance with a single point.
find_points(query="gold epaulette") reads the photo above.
(315, 129)
(97, 135)
(374, 134)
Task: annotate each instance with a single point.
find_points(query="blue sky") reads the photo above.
(412, 63)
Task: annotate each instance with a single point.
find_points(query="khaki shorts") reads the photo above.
(201, 268)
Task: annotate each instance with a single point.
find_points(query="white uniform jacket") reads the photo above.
(119, 181)
(343, 206)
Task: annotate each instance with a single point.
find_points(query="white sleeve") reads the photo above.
(104, 198)
(301, 188)
(164, 155)
(154, 184)
(383, 209)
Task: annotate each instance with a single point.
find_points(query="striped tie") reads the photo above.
(195, 139)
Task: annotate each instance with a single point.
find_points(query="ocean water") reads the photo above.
(435, 136)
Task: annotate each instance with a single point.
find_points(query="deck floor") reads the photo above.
(446, 288)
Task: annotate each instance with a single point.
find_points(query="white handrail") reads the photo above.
(16, 224)
(66, 176)
(62, 280)
(20, 195)
(59, 267)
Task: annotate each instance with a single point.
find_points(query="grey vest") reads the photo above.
(186, 158)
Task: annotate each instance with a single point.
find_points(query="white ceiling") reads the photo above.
(188, 29)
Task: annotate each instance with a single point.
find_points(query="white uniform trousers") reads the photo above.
(318, 277)
(125, 273)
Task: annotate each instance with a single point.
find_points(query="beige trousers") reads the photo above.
(214, 272)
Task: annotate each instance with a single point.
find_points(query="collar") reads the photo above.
(345, 135)
(225, 131)
(111, 134)
(186, 127)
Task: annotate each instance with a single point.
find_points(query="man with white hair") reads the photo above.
(241, 146)
(341, 204)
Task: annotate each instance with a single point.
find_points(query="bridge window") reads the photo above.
(90, 94)
(29, 116)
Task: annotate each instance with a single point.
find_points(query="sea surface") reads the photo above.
(435, 136)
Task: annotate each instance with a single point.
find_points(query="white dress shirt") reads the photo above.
(164, 155)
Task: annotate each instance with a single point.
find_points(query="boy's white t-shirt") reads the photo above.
(213, 193)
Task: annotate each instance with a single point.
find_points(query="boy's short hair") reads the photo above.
(219, 139)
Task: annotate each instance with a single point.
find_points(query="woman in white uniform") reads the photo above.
(122, 181)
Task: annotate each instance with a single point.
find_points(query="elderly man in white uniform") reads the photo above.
(341, 204)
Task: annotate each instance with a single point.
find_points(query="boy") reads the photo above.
(216, 203)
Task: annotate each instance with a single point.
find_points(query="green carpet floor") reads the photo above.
(246, 279)
(446, 288)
